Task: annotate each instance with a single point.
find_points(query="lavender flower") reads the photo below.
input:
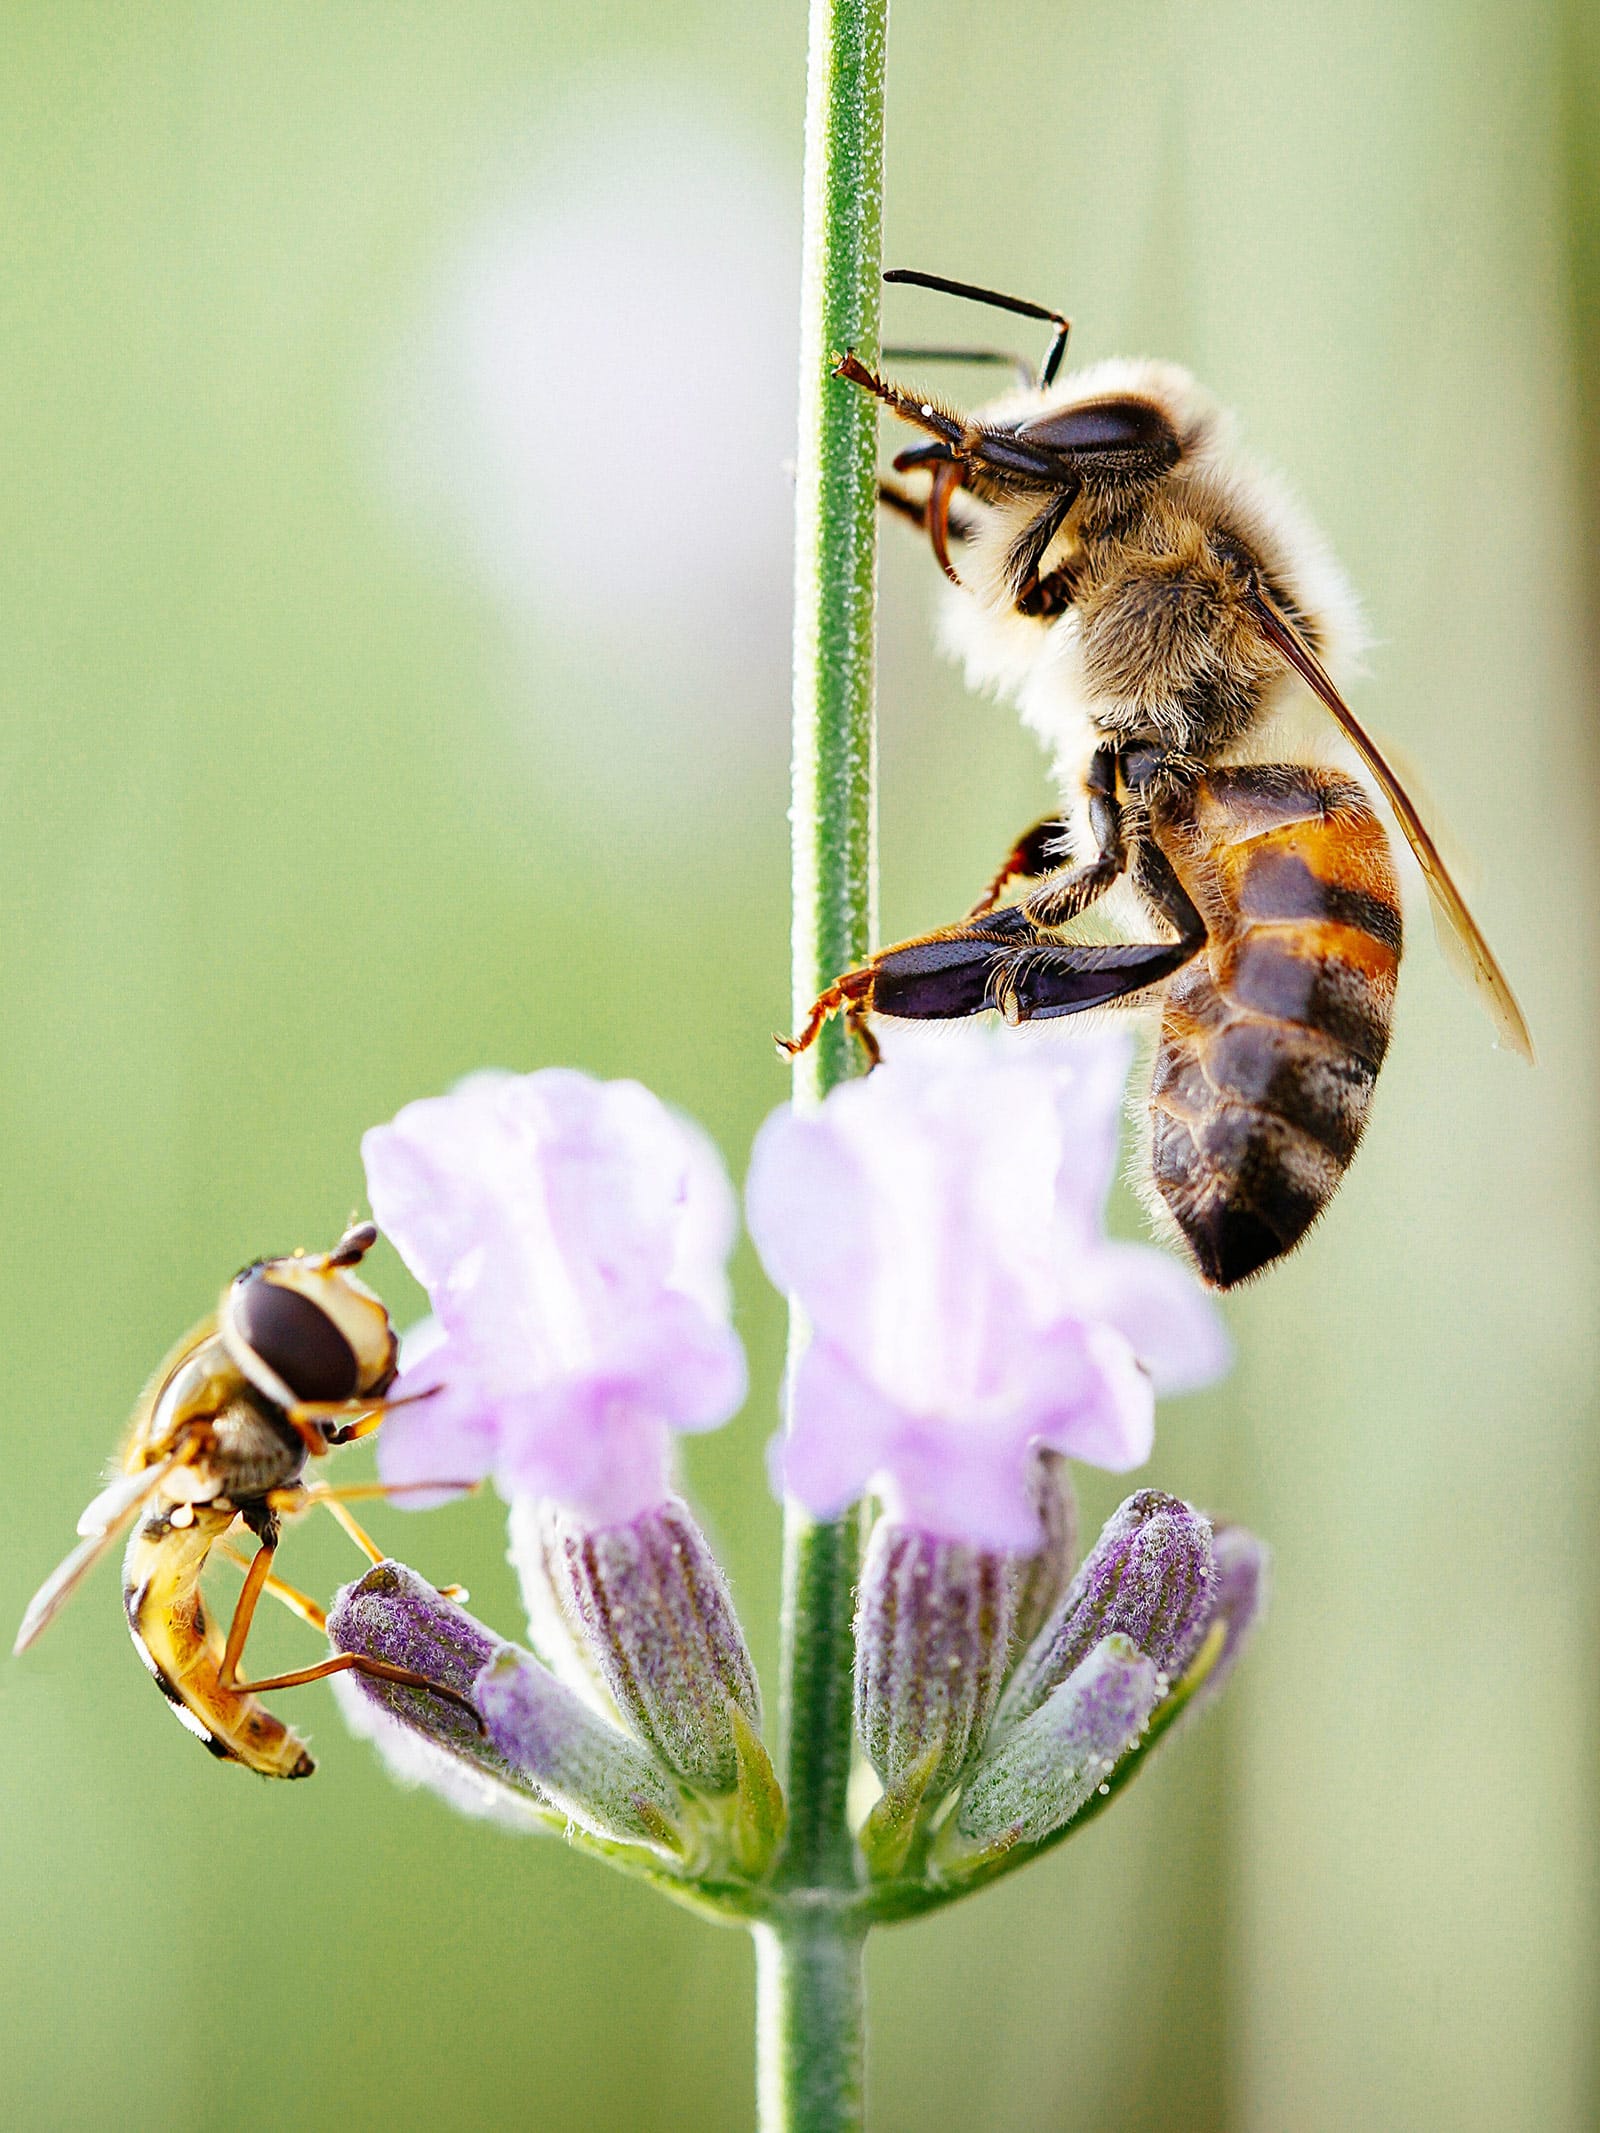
(1156, 1617)
(1242, 1563)
(647, 1607)
(941, 1225)
(971, 1327)
(1039, 1580)
(938, 1623)
(393, 1614)
(1150, 1576)
(572, 1236)
(1051, 1765)
(933, 1629)
(540, 1741)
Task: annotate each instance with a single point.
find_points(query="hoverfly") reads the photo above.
(295, 1360)
(1148, 596)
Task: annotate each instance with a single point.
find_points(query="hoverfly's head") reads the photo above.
(304, 1329)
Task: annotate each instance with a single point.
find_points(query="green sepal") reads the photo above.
(760, 1812)
(890, 1829)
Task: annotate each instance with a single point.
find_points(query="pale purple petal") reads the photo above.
(842, 1433)
(1160, 1310)
(941, 1225)
(1092, 1399)
(977, 1492)
(691, 1368)
(573, 1238)
(435, 1431)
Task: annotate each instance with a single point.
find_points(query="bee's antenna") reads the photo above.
(993, 297)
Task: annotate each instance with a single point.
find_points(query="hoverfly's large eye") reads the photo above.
(295, 1339)
(1122, 429)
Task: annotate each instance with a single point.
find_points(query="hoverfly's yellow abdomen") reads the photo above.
(183, 1648)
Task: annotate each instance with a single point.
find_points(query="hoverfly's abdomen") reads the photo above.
(176, 1638)
(1272, 1037)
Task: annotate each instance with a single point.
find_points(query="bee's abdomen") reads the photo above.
(1272, 1038)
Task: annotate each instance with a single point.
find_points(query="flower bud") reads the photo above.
(1040, 1579)
(933, 1627)
(534, 1555)
(542, 1742)
(1051, 1764)
(647, 1604)
(598, 1778)
(394, 1615)
(1241, 1596)
(1150, 1577)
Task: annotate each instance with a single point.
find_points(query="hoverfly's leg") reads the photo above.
(306, 1418)
(332, 1501)
(256, 1580)
(357, 1532)
(299, 1498)
(299, 1603)
(359, 1663)
(244, 1613)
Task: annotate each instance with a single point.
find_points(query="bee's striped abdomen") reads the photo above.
(1272, 1037)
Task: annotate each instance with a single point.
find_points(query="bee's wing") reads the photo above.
(1459, 936)
(107, 1517)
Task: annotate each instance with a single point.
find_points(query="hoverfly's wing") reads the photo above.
(122, 1495)
(105, 1519)
(1464, 945)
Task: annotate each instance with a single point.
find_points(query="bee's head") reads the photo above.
(303, 1328)
(1114, 441)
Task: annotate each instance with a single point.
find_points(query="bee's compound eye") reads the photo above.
(1132, 427)
(296, 1339)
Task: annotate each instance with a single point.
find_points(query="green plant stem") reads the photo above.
(811, 2022)
(811, 2025)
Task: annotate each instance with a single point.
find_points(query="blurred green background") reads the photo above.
(394, 590)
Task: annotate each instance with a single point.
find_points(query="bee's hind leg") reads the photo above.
(1042, 979)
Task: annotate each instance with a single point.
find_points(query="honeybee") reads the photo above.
(1149, 598)
(295, 1360)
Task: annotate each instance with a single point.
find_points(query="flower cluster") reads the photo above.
(971, 1330)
